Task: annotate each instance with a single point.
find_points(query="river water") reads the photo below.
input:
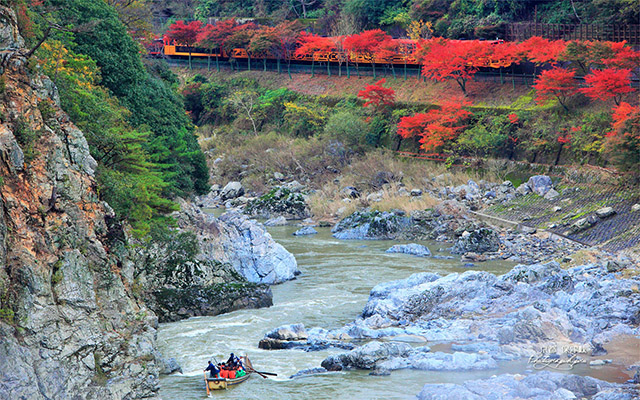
(333, 288)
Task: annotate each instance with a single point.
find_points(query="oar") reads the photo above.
(262, 373)
(206, 384)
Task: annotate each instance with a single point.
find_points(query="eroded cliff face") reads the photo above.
(70, 326)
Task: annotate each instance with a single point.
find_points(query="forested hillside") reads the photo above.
(449, 18)
(134, 121)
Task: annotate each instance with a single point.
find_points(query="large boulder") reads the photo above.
(540, 184)
(520, 311)
(277, 221)
(307, 230)
(371, 225)
(411, 248)
(439, 223)
(383, 357)
(174, 304)
(478, 241)
(240, 242)
(366, 356)
(605, 212)
(231, 191)
(279, 201)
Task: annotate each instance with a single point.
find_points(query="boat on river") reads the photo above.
(223, 383)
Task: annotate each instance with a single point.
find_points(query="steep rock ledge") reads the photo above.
(241, 242)
(69, 324)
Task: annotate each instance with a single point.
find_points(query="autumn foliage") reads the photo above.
(459, 60)
(608, 83)
(214, 36)
(436, 128)
(367, 44)
(378, 96)
(311, 43)
(183, 33)
(542, 51)
(555, 83)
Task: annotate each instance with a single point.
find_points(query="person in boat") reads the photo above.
(233, 361)
(214, 370)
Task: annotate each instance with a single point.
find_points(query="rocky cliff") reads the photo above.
(70, 326)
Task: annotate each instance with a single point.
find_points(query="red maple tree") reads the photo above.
(387, 51)
(212, 37)
(287, 34)
(444, 59)
(555, 83)
(623, 57)
(438, 127)
(185, 34)
(311, 44)
(542, 51)
(623, 141)
(240, 38)
(608, 83)
(623, 113)
(365, 45)
(505, 54)
(378, 96)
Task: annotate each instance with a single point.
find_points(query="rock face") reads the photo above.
(243, 243)
(280, 201)
(411, 248)
(542, 385)
(478, 241)
(174, 304)
(70, 326)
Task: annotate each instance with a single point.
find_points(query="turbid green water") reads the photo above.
(336, 278)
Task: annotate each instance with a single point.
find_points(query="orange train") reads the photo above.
(165, 47)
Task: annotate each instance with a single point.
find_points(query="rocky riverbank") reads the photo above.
(541, 385)
(538, 313)
(237, 261)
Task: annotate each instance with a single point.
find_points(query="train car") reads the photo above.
(406, 50)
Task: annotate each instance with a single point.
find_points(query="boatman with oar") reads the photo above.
(214, 370)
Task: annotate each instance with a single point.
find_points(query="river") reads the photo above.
(336, 278)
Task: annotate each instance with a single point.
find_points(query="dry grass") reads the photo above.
(329, 203)
(314, 162)
(412, 173)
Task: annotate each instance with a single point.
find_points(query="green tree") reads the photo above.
(154, 107)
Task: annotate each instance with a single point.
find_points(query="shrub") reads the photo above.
(26, 138)
(346, 126)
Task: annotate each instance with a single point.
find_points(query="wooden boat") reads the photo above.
(223, 383)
